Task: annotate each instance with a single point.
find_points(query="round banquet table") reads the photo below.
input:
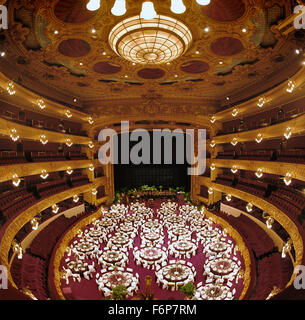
(134, 219)
(199, 223)
(85, 247)
(120, 239)
(113, 279)
(179, 231)
(127, 228)
(152, 224)
(218, 246)
(106, 222)
(151, 254)
(176, 272)
(222, 266)
(111, 257)
(78, 266)
(208, 233)
(95, 234)
(152, 236)
(214, 292)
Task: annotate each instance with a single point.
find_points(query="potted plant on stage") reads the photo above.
(119, 293)
(188, 289)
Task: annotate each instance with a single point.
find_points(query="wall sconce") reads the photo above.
(287, 133)
(43, 139)
(249, 207)
(93, 5)
(55, 208)
(286, 248)
(269, 222)
(75, 198)
(288, 178)
(69, 171)
(68, 114)
(203, 2)
(148, 11)
(94, 191)
(91, 145)
(212, 144)
(17, 249)
(211, 190)
(34, 223)
(213, 167)
(11, 88)
(234, 169)
(90, 120)
(14, 136)
(234, 142)
(229, 197)
(41, 104)
(213, 119)
(261, 102)
(44, 174)
(119, 8)
(235, 112)
(259, 173)
(259, 138)
(69, 142)
(290, 86)
(91, 167)
(16, 181)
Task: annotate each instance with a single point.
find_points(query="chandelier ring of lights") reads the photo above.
(155, 41)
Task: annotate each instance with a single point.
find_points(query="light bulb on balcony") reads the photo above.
(235, 112)
(269, 222)
(178, 6)
(259, 138)
(234, 169)
(290, 87)
(75, 198)
(94, 191)
(261, 102)
(213, 167)
(91, 145)
(119, 8)
(68, 114)
(148, 11)
(93, 5)
(234, 142)
(90, 120)
(34, 224)
(41, 104)
(43, 139)
(259, 173)
(55, 208)
(18, 250)
(15, 180)
(11, 88)
(69, 171)
(44, 174)
(14, 136)
(285, 249)
(91, 167)
(249, 207)
(287, 133)
(288, 178)
(212, 144)
(69, 142)
(211, 190)
(213, 119)
(229, 197)
(203, 2)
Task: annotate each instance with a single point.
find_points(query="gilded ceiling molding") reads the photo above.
(274, 131)
(273, 211)
(32, 133)
(278, 168)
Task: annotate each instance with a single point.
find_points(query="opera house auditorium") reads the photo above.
(91, 209)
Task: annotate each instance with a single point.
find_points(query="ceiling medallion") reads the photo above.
(155, 41)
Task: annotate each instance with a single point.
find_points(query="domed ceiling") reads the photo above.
(228, 48)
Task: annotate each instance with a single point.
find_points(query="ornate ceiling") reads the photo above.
(61, 50)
